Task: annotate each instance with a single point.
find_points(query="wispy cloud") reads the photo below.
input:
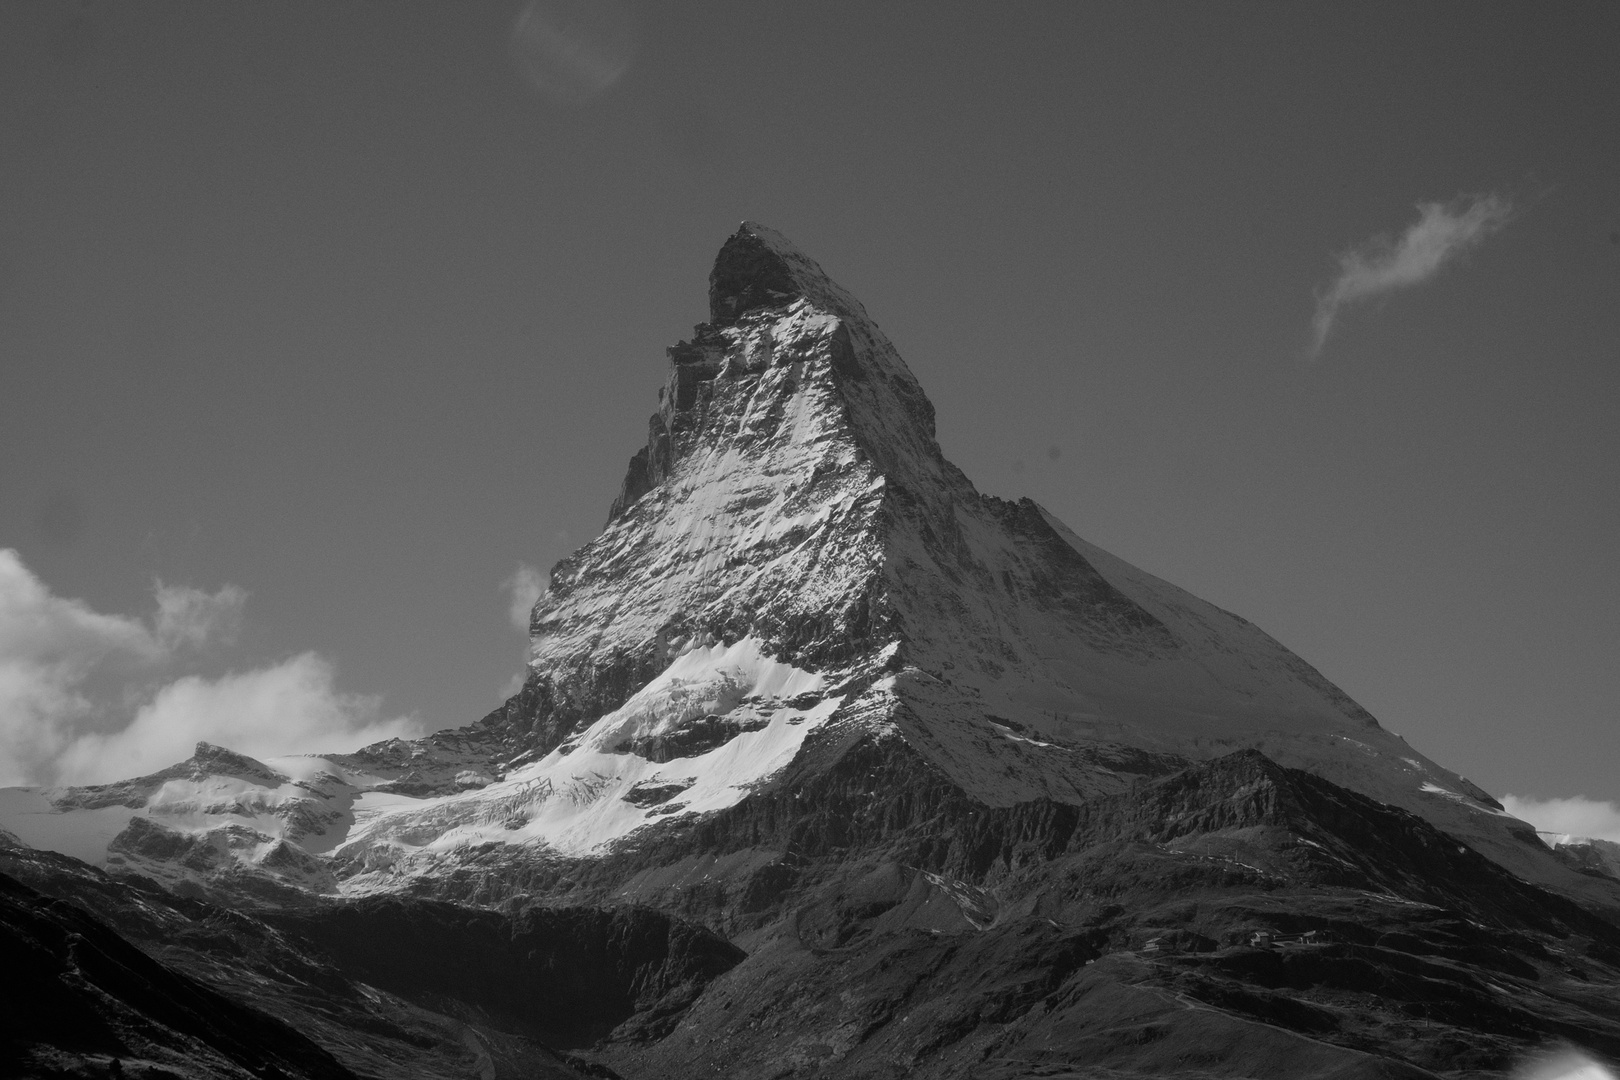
(1577, 816)
(522, 589)
(194, 618)
(1442, 232)
(88, 697)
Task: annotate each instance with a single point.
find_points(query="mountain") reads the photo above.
(1589, 854)
(963, 793)
(791, 551)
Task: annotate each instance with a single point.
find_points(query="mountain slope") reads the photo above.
(99, 968)
(929, 936)
(883, 923)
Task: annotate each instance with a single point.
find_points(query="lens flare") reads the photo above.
(573, 50)
(1566, 1064)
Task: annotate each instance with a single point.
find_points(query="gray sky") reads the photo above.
(359, 306)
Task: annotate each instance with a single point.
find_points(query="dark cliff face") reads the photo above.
(749, 274)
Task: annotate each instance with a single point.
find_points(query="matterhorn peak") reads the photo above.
(785, 343)
(793, 576)
(758, 267)
(961, 786)
(792, 502)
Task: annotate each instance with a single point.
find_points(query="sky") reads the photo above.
(326, 327)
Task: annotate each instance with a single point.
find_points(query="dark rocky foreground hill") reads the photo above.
(100, 969)
(80, 1000)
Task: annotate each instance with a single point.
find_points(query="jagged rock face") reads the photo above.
(758, 507)
(792, 491)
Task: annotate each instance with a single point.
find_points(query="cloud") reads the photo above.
(1442, 232)
(191, 617)
(293, 706)
(522, 589)
(1577, 816)
(513, 684)
(49, 650)
(87, 697)
(38, 628)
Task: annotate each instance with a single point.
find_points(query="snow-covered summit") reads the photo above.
(758, 267)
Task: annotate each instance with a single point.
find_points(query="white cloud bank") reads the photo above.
(522, 589)
(87, 697)
(290, 707)
(1442, 232)
(1578, 816)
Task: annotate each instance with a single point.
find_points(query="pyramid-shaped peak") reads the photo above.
(758, 267)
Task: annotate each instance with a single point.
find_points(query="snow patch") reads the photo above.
(577, 802)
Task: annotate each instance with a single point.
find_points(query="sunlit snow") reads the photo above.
(571, 801)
